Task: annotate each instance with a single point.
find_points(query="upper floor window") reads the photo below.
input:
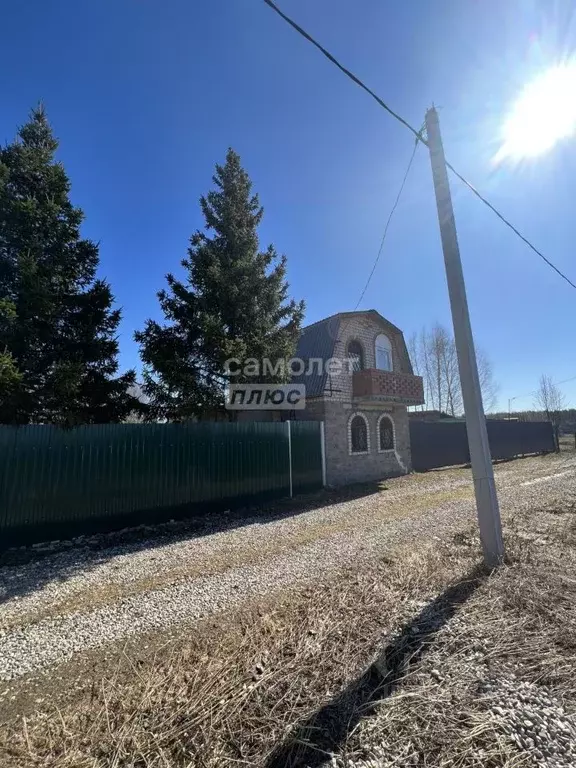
(356, 355)
(383, 353)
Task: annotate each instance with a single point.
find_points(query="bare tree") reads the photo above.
(551, 400)
(415, 353)
(451, 373)
(427, 366)
(434, 357)
(428, 351)
(488, 384)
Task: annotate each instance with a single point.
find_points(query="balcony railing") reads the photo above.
(404, 388)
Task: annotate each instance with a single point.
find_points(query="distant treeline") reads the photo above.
(567, 417)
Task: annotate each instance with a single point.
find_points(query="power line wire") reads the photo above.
(535, 391)
(413, 130)
(508, 224)
(398, 196)
(565, 381)
(347, 72)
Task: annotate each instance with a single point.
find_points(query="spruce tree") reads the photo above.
(233, 303)
(58, 327)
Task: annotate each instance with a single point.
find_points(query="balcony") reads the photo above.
(388, 386)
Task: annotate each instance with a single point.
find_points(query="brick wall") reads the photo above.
(364, 330)
(342, 467)
(314, 411)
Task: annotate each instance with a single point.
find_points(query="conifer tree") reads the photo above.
(233, 303)
(58, 327)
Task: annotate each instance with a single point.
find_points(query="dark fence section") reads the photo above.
(306, 456)
(58, 483)
(437, 444)
(518, 438)
(434, 444)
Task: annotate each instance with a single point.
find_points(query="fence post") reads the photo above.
(288, 427)
(323, 452)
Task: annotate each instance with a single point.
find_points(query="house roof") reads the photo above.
(339, 315)
(318, 340)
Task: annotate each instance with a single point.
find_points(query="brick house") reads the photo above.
(363, 403)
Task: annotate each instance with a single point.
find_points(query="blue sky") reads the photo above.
(145, 96)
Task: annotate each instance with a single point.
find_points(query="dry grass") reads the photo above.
(229, 699)
(255, 692)
(521, 623)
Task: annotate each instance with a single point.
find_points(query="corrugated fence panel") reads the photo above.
(434, 444)
(517, 438)
(437, 444)
(306, 456)
(56, 483)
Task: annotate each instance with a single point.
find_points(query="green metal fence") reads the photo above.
(306, 456)
(57, 483)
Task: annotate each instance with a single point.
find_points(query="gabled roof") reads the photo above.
(318, 340)
(374, 313)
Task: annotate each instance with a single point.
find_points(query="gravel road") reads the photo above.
(80, 599)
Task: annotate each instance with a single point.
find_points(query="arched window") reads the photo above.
(383, 349)
(385, 434)
(358, 436)
(356, 355)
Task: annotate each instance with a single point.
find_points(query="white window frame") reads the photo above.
(386, 450)
(387, 347)
(350, 451)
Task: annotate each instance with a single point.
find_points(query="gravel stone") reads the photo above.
(552, 738)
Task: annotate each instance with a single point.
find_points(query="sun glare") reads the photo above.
(544, 113)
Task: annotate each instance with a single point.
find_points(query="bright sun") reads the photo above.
(544, 113)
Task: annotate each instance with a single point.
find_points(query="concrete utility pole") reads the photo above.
(484, 486)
